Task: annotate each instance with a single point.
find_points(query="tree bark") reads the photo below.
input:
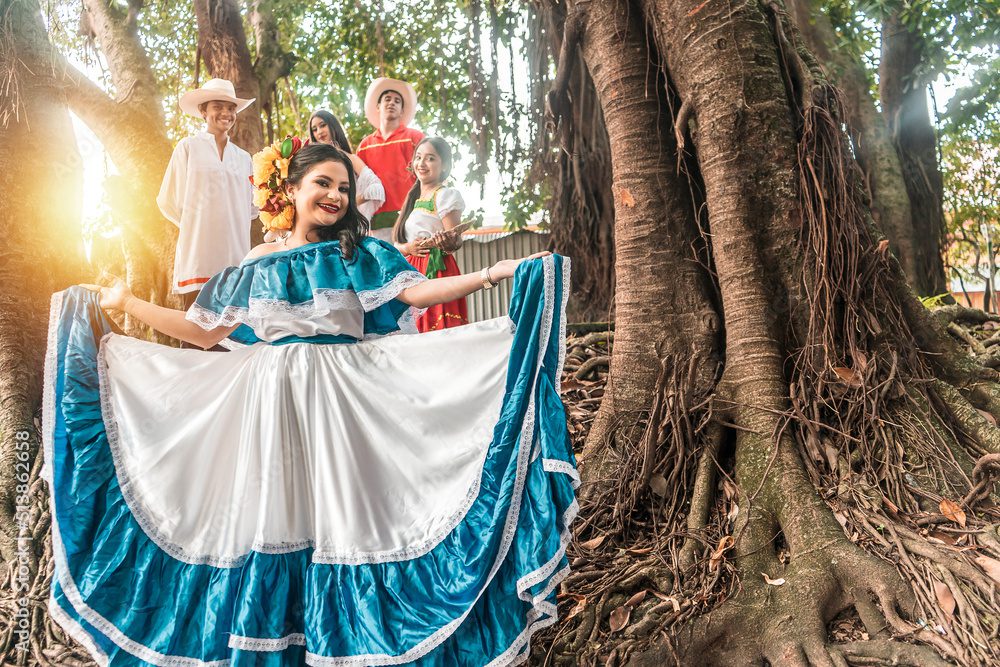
(905, 105)
(271, 62)
(41, 181)
(130, 125)
(222, 43)
(659, 251)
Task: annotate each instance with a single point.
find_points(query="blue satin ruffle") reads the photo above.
(294, 276)
(474, 599)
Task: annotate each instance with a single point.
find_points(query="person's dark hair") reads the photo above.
(350, 229)
(443, 150)
(337, 133)
(402, 102)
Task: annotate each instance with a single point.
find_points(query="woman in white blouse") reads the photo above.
(324, 128)
(429, 230)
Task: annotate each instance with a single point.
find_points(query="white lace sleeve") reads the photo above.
(372, 299)
(370, 187)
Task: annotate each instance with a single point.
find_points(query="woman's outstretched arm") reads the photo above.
(443, 290)
(165, 320)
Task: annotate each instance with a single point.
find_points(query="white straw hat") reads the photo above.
(383, 84)
(214, 89)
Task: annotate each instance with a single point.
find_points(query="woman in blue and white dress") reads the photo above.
(326, 493)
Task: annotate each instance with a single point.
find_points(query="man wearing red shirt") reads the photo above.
(390, 105)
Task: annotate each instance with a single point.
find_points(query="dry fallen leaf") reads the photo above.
(619, 618)
(831, 456)
(773, 582)
(944, 597)
(848, 375)
(724, 544)
(659, 485)
(988, 416)
(636, 599)
(991, 566)
(668, 598)
(581, 604)
(952, 512)
(593, 543)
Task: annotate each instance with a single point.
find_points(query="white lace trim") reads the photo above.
(258, 644)
(50, 372)
(562, 324)
(76, 632)
(259, 310)
(542, 613)
(407, 324)
(373, 298)
(566, 468)
(231, 344)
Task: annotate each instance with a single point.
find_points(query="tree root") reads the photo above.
(963, 335)
(886, 653)
(958, 313)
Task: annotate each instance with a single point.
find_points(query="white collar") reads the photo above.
(205, 134)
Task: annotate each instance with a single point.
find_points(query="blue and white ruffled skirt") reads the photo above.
(404, 500)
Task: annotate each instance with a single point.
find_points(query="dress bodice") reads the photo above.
(426, 217)
(311, 294)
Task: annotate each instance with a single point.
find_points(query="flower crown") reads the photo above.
(270, 170)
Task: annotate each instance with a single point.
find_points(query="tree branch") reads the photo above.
(557, 100)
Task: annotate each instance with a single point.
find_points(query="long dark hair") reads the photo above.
(444, 152)
(336, 130)
(353, 226)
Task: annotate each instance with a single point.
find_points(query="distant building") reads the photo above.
(486, 247)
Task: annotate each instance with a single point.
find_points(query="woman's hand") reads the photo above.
(505, 268)
(114, 297)
(418, 248)
(448, 240)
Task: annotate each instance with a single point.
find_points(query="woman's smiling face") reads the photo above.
(427, 164)
(321, 130)
(322, 198)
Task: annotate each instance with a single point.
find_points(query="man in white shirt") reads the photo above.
(207, 192)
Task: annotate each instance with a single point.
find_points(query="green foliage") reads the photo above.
(935, 301)
(466, 59)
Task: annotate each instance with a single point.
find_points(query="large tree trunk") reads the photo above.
(905, 105)
(222, 42)
(872, 143)
(41, 186)
(827, 397)
(41, 182)
(130, 125)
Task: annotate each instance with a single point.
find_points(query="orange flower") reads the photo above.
(284, 219)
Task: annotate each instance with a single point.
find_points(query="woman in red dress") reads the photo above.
(428, 229)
